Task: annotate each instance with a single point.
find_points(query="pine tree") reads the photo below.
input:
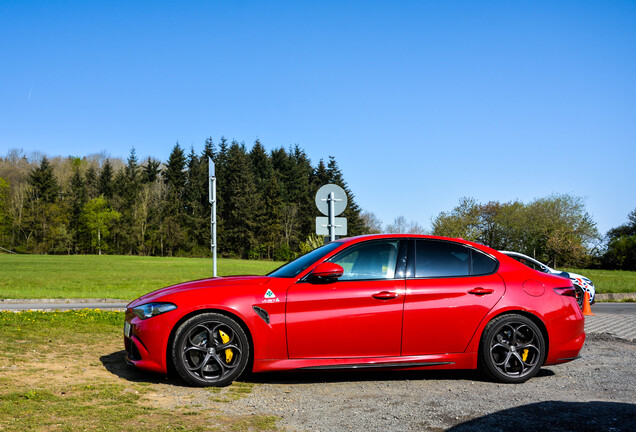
(209, 149)
(105, 182)
(132, 171)
(92, 182)
(262, 170)
(223, 194)
(44, 184)
(300, 192)
(43, 213)
(173, 174)
(151, 171)
(77, 199)
(241, 205)
(272, 215)
(320, 176)
(196, 202)
(174, 207)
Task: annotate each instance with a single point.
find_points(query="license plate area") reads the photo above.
(127, 329)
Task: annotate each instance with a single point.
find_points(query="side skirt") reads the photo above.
(433, 361)
(376, 365)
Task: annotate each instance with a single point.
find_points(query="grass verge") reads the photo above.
(108, 276)
(64, 371)
(609, 281)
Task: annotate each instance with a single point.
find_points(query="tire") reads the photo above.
(202, 357)
(512, 349)
(580, 295)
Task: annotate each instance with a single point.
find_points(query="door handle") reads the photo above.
(481, 291)
(385, 295)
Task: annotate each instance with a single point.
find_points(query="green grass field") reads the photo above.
(128, 277)
(609, 281)
(105, 276)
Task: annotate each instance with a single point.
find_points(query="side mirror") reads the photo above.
(327, 271)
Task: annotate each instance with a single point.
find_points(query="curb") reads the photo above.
(62, 301)
(614, 297)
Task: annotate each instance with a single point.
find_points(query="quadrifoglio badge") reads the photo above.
(270, 297)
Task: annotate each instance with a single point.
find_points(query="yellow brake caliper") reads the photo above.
(228, 351)
(524, 354)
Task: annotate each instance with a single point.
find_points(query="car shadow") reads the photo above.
(557, 416)
(115, 363)
(357, 375)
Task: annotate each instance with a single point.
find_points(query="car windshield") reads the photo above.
(293, 268)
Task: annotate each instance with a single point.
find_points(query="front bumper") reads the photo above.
(146, 341)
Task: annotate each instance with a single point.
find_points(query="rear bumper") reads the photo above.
(566, 336)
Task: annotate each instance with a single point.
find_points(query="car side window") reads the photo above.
(482, 263)
(441, 259)
(368, 261)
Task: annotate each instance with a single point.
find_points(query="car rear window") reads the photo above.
(482, 263)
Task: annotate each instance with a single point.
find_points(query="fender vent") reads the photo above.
(261, 313)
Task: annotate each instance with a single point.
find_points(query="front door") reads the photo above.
(360, 315)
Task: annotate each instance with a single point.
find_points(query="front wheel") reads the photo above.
(512, 349)
(210, 349)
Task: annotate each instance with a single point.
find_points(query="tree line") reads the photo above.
(556, 230)
(266, 209)
(97, 204)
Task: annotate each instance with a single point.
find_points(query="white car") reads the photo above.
(581, 283)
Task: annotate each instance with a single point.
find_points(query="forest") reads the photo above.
(98, 204)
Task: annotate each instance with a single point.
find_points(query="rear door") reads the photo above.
(453, 288)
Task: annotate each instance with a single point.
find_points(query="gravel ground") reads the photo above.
(594, 393)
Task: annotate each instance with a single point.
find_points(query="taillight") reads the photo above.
(568, 291)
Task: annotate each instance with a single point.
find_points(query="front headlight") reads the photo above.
(152, 309)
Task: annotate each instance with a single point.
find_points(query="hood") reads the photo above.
(211, 283)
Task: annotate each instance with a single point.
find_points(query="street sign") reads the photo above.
(331, 200)
(322, 226)
(322, 197)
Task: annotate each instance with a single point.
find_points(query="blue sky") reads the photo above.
(421, 103)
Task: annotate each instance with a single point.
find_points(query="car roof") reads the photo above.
(365, 237)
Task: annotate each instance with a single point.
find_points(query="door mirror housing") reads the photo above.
(327, 271)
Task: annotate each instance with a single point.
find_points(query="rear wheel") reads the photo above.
(210, 349)
(512, 349)
(580, 295)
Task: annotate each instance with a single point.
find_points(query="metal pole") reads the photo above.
(212, 199)
(332, 216)
(214, 224)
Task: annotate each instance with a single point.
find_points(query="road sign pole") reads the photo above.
(332, 217)
(212, 199)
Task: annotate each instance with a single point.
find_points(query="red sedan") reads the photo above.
(383, 301)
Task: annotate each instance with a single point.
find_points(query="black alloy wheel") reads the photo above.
(512, 349)
(210, 349)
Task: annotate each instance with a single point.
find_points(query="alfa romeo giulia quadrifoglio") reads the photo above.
(384, 301)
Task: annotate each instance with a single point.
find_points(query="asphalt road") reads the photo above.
(15, 305)
(615, 308)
